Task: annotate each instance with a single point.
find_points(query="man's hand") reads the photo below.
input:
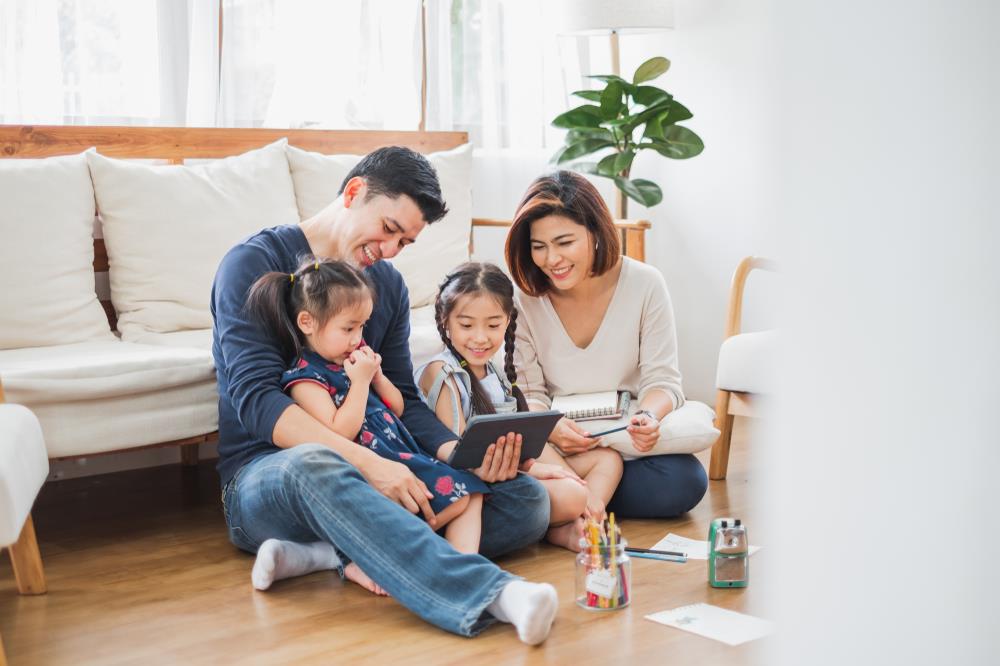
(571, 438)
(398, 483)
(360, 366)
(501, 460)
(645, 432)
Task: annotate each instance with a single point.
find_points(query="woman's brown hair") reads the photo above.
(569, 195)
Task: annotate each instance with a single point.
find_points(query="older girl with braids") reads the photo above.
(317, 313)
(475, 316)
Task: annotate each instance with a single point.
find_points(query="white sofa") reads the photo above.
(152, 381)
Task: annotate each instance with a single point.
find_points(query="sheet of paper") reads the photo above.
(716, 623)
(696, 550)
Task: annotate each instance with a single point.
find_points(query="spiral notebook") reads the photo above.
(588, 406)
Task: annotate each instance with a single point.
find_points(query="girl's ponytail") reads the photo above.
(269, 302)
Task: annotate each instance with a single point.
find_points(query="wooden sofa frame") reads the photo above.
(177, 144)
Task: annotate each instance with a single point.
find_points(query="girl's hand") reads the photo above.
(501, 460)
(571, 438)
(595, 508)
(543, 471)
(378, 366)
(645, 431)
(360, 366)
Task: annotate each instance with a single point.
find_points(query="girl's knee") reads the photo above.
(610, 461)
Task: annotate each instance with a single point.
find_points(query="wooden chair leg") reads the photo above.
(3, 655)
(189, 455)
(720, 450)
(27, 561)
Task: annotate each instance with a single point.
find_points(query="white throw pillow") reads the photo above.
(167, 227)
(688, 429)
(440, 247)
(47, 265)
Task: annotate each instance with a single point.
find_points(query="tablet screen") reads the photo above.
(485, 429)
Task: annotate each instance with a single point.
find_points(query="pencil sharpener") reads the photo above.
(728, 553)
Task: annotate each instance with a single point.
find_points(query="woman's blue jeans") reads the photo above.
(309, 493)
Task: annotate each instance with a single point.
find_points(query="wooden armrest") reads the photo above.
(743, 270)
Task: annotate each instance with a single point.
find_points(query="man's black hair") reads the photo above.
(396, 170)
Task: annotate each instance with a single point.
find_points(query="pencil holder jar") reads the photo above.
(603, 576)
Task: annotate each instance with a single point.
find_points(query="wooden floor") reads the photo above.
(140, 571)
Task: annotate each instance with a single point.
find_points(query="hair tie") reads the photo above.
(317, 265)
(291, 278)
(463, 363)
(513, 384)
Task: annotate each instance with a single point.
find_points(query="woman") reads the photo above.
(593, 320)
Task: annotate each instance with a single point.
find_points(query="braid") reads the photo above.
(508, 362)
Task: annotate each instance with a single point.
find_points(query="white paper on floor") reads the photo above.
(696, 550)
(719, 624)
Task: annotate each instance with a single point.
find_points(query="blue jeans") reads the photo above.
(309, 493)
(659, 487)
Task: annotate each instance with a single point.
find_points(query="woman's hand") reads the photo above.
(645, 431)
(543, 471)
(501, 460)
(571, 438)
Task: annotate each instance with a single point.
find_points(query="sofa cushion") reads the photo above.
(47, 272)
(440, 247)
(167, 227)
(23, 468)
(747, 362)
(103, 396)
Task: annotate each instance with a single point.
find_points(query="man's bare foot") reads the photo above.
(354, 573)
(566, 536)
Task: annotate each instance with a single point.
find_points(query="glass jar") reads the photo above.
(603, 576)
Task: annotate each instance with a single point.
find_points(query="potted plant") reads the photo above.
(608, 128)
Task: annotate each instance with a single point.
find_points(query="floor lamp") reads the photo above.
(613, 18)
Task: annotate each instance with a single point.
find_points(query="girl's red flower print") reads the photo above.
(405, 456)
(303, 363)
(444, 485)
(366, 437)
(387, 416)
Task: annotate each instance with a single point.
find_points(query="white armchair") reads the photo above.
(24, 465)
(745, 368)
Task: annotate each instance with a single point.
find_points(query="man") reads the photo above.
(315, 498)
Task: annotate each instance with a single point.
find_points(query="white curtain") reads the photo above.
(93, 61)
(493, 66)
(494, 72)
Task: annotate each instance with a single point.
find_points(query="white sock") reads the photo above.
(283, 559)
(530, 607)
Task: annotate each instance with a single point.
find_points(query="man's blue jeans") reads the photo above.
(309, 493)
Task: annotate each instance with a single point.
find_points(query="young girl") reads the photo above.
(475, 315)
(317, 314)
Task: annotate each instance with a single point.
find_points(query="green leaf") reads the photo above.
(679, 143)
(581, 133)
(580, 149)
(586, 167)
(650, 95)
(608, 78)
(678, 113)
(611, 101)
(592, 95)
(654, 126)
(645, 115)
(615, 163)
(651, 69)
(586, 115)
(645, 192)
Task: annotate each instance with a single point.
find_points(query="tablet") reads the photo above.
(485, 429)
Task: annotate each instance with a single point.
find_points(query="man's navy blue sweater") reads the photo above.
(249, 364)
